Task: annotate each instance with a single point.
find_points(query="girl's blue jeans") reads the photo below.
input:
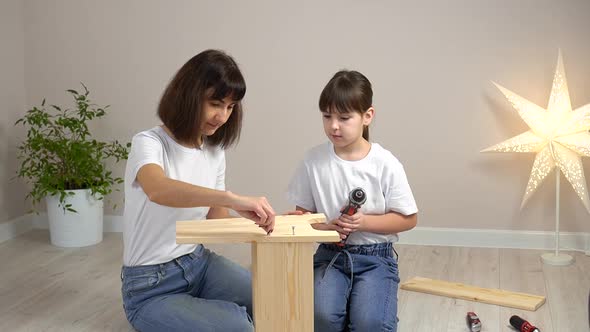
(355, 288)
(200, 291)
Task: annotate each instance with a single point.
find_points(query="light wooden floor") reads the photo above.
(45, 288)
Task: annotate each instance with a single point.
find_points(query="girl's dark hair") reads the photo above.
(347, 91)
(209, 75)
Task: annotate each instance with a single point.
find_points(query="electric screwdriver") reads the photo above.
(522, 325)
(356, 198)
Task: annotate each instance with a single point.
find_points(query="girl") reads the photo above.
(355, 283)
(176, 171)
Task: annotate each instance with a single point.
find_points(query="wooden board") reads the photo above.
(282, 286)
(241, 230)
(466, 292)
(282, 268)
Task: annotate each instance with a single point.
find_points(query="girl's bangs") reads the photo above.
(229, 86)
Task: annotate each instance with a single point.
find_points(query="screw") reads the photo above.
(293, 229)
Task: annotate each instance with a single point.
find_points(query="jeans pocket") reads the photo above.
(133, 285)
(391, 263)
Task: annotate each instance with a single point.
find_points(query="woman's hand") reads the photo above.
(352, 223)
(256, 209)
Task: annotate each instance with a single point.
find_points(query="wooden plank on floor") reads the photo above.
(472, 293)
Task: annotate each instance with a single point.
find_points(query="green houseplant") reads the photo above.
(60, 157)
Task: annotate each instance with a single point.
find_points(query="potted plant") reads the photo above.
(65, 166)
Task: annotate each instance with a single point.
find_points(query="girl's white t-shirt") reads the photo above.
(149, 230)
(323, 181)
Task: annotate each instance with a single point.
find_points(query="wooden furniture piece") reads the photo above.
(282, 264)
(471, 293)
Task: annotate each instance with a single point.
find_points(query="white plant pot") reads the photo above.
(75, 229)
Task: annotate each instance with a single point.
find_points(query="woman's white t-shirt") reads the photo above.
(149, 231)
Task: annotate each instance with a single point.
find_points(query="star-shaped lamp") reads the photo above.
(559, 136)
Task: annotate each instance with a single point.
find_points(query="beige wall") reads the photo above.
(430, 62)
(12, 103)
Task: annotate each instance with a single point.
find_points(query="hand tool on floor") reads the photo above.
(473, 322)
(522, 325)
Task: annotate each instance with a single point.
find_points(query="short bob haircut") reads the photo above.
(347, 91)
(209, 75)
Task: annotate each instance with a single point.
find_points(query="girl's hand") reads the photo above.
(295, 213)
(331, 227)
(352, 223)
(256, 209)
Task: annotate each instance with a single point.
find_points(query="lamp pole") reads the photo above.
(557, 258)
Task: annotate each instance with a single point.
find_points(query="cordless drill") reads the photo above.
(522, 325)
(356, 198)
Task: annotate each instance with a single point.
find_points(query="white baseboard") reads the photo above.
(437, 236)
(493, 238)
(15, 227)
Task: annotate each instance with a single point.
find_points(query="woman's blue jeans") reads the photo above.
(355, 288)
(200, 291)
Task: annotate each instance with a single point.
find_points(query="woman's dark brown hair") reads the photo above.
(347, 91)
(209, 75)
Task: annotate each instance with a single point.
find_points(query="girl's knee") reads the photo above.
(239, 322)
(328, 321)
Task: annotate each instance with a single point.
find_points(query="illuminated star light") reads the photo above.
(558, 135)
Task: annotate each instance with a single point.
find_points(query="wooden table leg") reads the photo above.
(282, 286)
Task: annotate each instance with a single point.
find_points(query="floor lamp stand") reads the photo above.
(556, 258)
